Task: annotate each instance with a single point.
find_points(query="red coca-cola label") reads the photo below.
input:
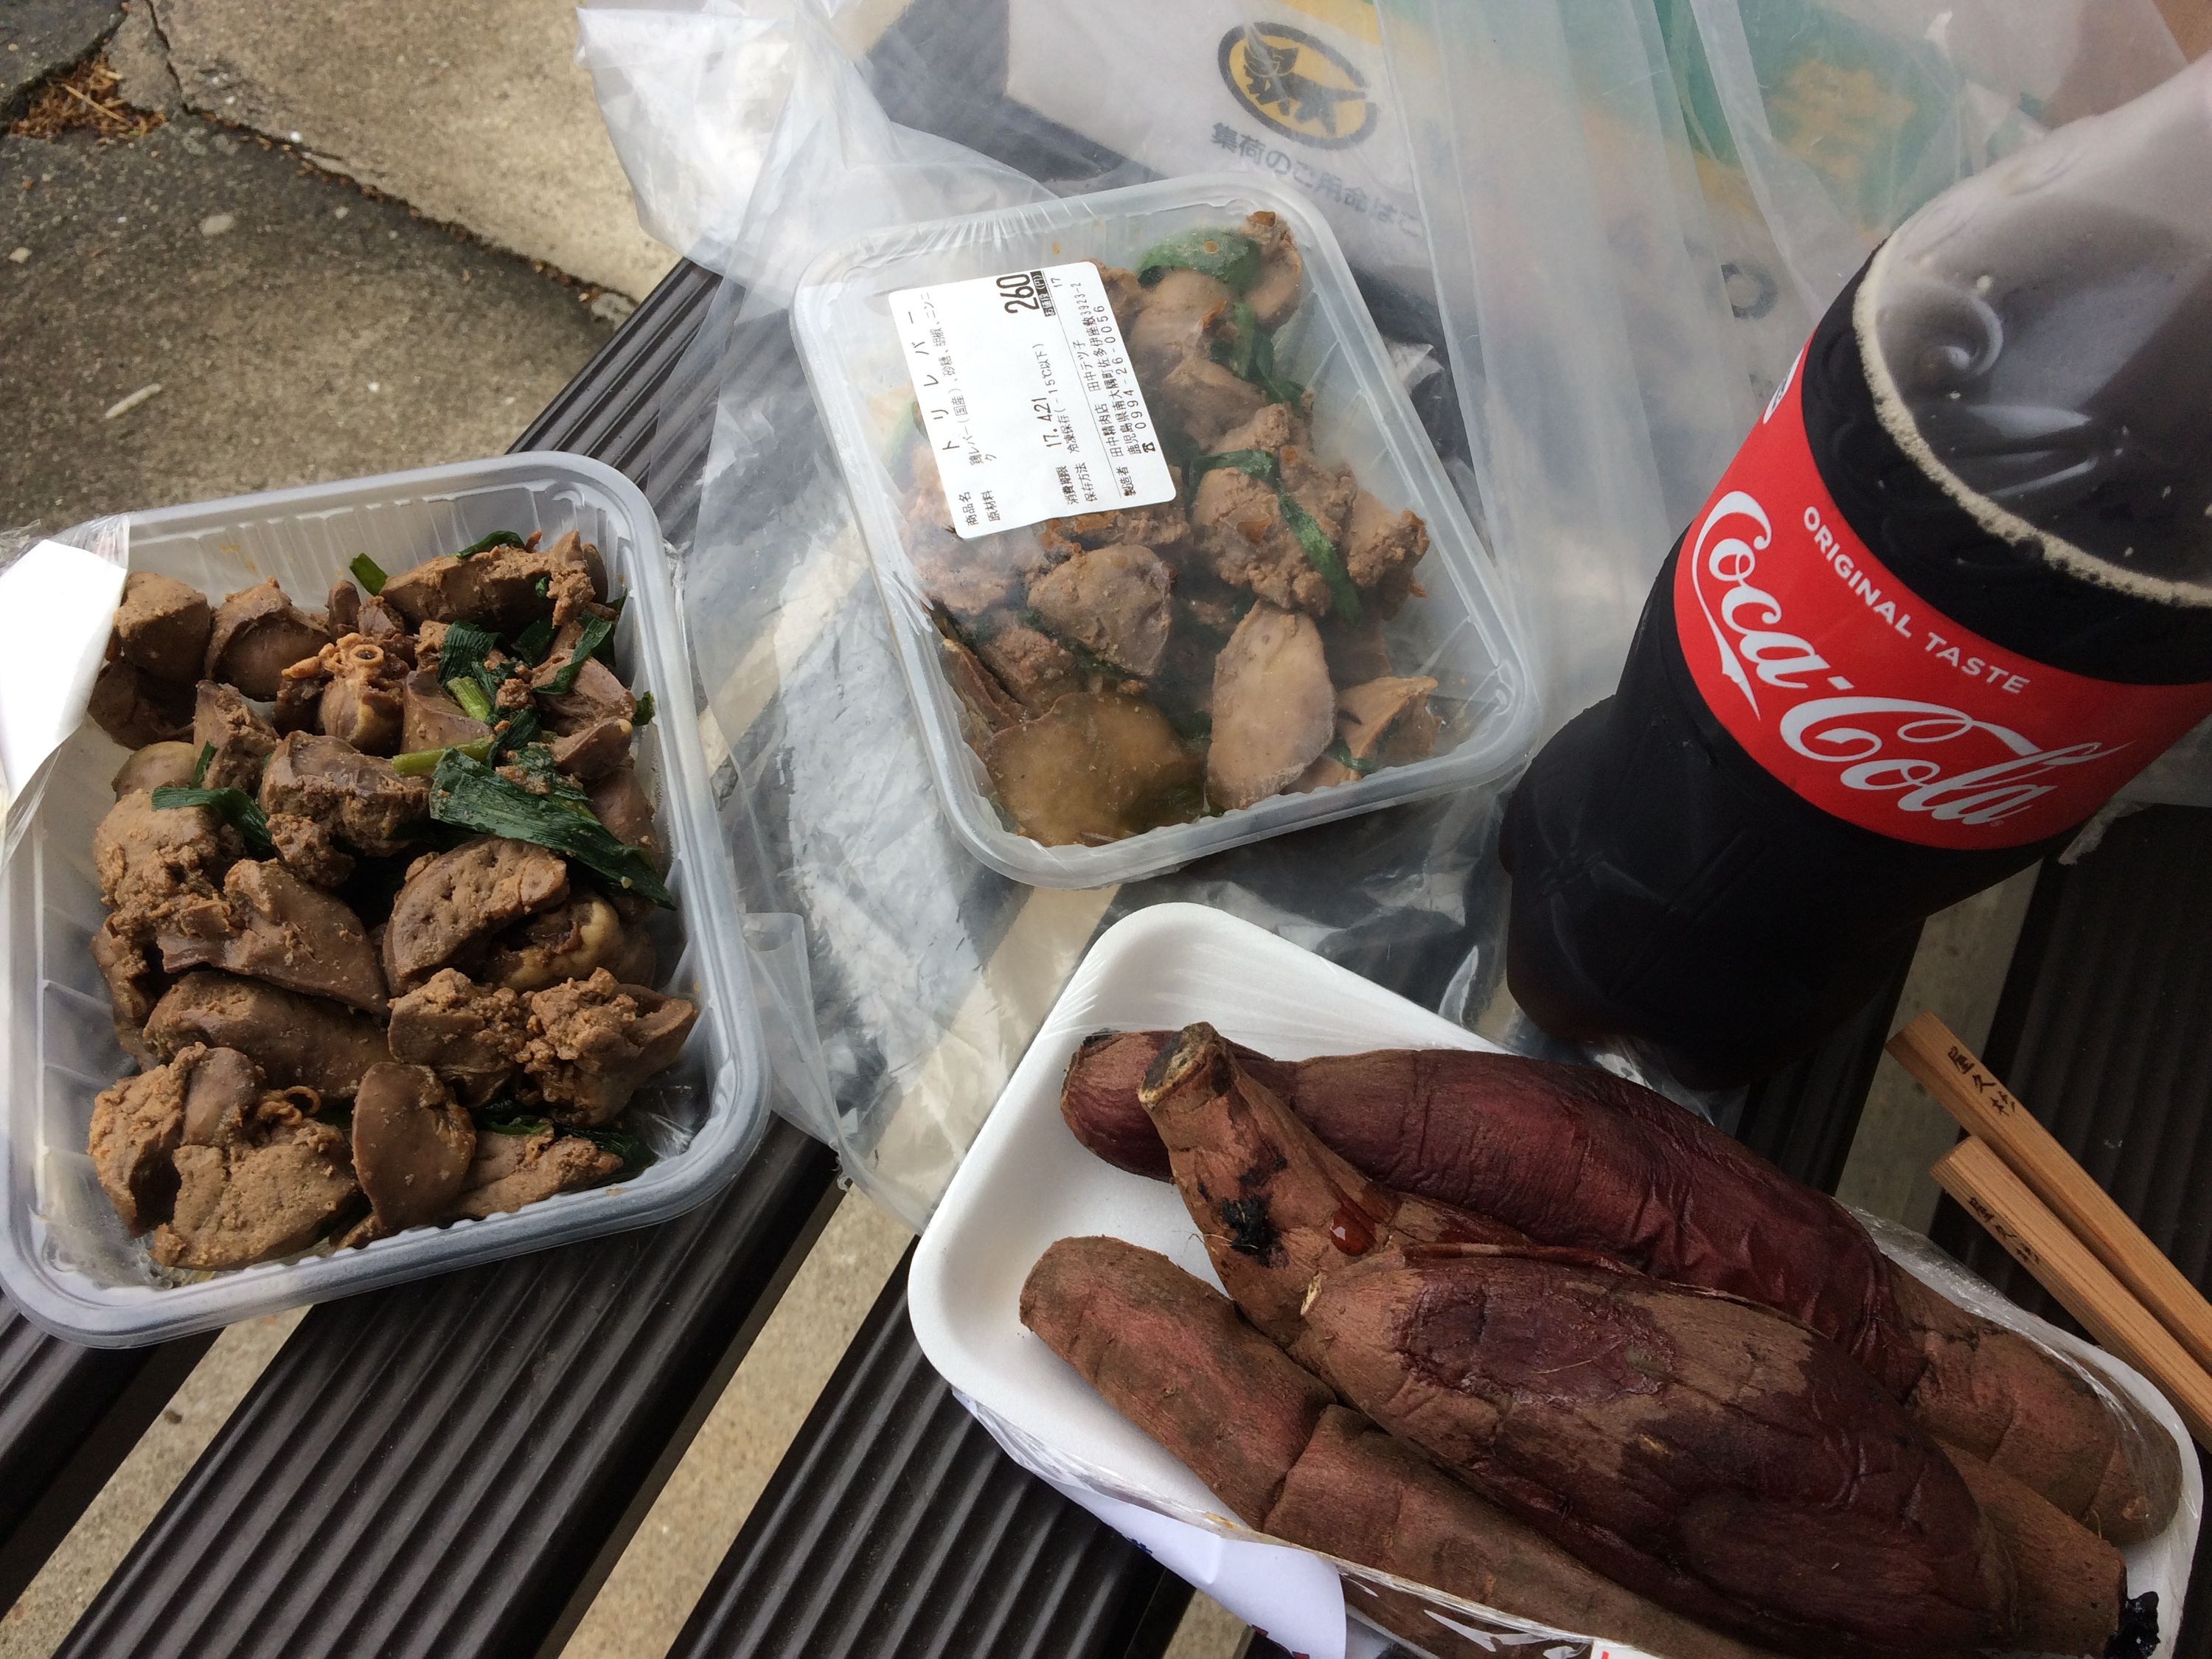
(1842, 683)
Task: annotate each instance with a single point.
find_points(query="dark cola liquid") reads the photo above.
(1669, 890)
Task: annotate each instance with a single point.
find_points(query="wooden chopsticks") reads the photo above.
(2035, 1200)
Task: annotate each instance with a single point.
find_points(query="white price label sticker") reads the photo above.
(1027, 394)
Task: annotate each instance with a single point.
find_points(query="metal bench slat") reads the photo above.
(896, 1526)
(451, 1467)
(68, 1415)
(2103, 1030)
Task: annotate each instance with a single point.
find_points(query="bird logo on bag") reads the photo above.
(1298, 85)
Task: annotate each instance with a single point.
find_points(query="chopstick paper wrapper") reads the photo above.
(1985, 1109)
(1981, 1180)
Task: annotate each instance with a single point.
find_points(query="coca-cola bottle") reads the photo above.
(1954, 591)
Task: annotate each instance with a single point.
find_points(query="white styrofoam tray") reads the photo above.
(1027, 1182)
(64, 1258)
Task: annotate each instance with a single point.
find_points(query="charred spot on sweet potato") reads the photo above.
(1251, 1230)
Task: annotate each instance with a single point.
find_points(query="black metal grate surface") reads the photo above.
(450, 1468)
(896, 1527)
(2104, 1032)
(68, 1416)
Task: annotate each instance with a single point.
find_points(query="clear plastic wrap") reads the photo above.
(1612, 292)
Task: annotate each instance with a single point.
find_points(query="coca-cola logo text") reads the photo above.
(1880, 744)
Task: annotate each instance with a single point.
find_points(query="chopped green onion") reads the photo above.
(200, 767)
(469, 794)
(543, 587)
(1223, 255)
(1320, 552)
(235, 805)
(421, 762)
(470, 696)
(369, 573)
(534, 641)
(643, 717)
(1341, 754)
(594, 633)
(612, 1138)
(497, 538)
(519, 727)
(1251, 356)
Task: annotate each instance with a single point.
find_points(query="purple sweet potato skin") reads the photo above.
(1172, 1356)
(1722, 1460)
(1567, 1155)
(1571, 1155)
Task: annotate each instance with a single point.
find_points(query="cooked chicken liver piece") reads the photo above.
(135, 708)
(968, 577)
(411, 1146)
(310, 1041)
(988, 703)
(1275, 293)
(596, 694)
(594, 1041)
(1093, 768)
(594, 751)
(1274, 710)
(133, 983)
(156, 766)
(1036, 669)
(309, 851)
(162, 627)
(1170, 322)
(342, 608)
(471, 1034)
(155, 863)
(1161, 524)
(1383, 722)
(497, 588)
(359, 799)
(1208, 400)
(360, 701)
(137, 1128)
(1236, 521)
(219, 1095)
(272, 926)
(583, 935)
(258, 635)
(1116, 602)
(431, 719)
(454, 901)
(269, 1189)
(224, 721)
(622, 804)
(512, 1171)
(1381, 548)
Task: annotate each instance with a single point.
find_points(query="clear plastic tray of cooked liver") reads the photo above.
(1121, 670)
(375, 879)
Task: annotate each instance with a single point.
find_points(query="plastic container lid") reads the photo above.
(64, 1257)
(1460, 633)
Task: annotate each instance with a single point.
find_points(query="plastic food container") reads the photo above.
(1459, 634)
(1028, 1181)
(64, 1257)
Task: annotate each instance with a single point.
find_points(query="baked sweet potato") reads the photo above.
(1275, 1206)
(2069, 1586)
(1172, 1356)
(1571, 1155)
(1723, 1461)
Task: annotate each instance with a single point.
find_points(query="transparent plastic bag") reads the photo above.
(1637, 209)
(57, 595)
